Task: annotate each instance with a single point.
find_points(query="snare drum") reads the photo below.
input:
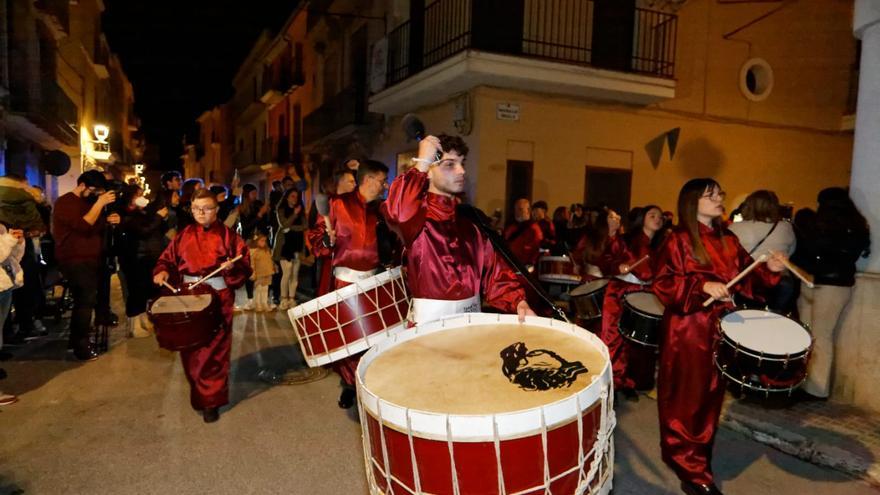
(479, 403)
(588, 299)
(555, 265)
(763, 351)
(187, 319)
(352, 319)
(641, 317)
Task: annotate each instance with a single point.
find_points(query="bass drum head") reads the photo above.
(590, 287)
(766, 332)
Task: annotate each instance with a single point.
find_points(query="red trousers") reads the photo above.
(632, 364)
(207, 367)
(690, 391)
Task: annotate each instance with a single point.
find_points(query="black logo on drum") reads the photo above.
(540, 369)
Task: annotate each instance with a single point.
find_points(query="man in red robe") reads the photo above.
(524, 236)
(198, 250)
(344, 182)
(451, 264)
(353, 243)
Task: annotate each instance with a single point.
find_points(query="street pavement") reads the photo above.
(123, 424)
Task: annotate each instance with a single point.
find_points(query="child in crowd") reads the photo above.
(264, 268)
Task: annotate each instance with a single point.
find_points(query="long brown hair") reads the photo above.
(761, 206)
(688, 199)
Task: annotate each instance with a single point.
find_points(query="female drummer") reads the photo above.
(198, 250)
(622, 252)
(695, 262)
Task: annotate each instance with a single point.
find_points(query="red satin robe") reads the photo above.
(448, 257)
(690, 388)
(633, 365)
(198, 251)
(524, 241)
(356, 247)
(355, 224)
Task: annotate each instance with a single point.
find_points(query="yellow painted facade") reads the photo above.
(791, 142)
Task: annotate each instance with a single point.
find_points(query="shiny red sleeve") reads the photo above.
(241, 270)
(316, 236)
(403, 210)
(678, 286)
(615, 253)
(501, 288)
(755, 285)
(645, 271)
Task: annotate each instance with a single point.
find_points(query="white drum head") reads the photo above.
(180, 304)
(766, 332)
(590, 287)
(646, 302)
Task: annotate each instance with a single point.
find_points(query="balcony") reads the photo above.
(56, 15)
(345, 111)
(46, 114)
(280, 79)
(597, 49)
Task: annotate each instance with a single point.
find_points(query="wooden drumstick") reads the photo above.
(166, 284)
(637, 263)
(798, 273)
(215, 272)
(739, 277)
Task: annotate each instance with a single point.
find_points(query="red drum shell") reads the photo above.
(187, 330)
(555, 265)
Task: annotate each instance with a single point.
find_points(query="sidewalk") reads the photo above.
(837, 436)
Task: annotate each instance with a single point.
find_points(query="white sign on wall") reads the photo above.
(507, 111)
(379, 65)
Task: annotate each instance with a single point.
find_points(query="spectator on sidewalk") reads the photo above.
(142, 233)
(11, 250)
(78, 224)
(289, 244)
(832, 242)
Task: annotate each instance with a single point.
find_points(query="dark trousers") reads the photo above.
(276, 285)
(102, 305)
(28, 299)
(83, 280)
(138, 275)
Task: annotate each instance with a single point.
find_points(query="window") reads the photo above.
(756, 79)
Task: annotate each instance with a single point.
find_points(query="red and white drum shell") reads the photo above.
(555, 265)
(562, 447)
(352, 319)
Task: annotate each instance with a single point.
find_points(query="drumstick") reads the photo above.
(215, 272)
(166, 284)
(739, 277)
(798, 273)
(637, 263)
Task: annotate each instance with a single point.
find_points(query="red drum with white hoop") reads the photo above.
(186, 319)
(555, 265)
(481, 404)
(352, 319)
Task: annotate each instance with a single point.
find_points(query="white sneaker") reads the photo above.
(249, 306)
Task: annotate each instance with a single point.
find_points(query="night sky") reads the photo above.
(181, 56)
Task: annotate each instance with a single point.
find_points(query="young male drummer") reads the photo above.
(198, 250)
(451, 264)
(524, 236)
(353, 244)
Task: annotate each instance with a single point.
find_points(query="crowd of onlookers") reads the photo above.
(105, 226)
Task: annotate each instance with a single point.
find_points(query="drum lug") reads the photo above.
(785, 363)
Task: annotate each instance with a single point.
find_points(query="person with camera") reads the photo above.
(79, 221)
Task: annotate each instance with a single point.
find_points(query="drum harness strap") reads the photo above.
(501, 248)
(764, 238)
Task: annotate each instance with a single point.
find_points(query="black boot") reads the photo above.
(211, 414)
(700, 488)
(346, 398)
(630, 394)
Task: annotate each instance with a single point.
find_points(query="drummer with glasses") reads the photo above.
(695, 263)
(452, 266)
(198, 250)
(353, 239)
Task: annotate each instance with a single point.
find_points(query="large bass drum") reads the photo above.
(482, 404)
(186, 319)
